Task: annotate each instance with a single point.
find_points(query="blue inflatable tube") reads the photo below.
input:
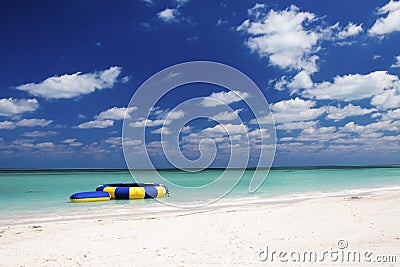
(90, 196)
(134, 190)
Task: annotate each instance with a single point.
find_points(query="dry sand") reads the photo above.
(214, 236)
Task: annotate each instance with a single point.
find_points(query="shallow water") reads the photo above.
(43, 191)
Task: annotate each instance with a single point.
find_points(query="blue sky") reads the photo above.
(329, 69)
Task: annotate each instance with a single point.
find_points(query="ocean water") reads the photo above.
(46, 192)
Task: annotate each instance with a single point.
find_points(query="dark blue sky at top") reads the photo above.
(42, 39)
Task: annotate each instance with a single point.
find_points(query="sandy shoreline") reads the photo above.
(217, 235)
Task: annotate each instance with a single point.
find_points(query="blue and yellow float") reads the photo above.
(134, 190)
(122, 191)
(90, 196)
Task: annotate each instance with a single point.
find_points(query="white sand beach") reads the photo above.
(216, 236)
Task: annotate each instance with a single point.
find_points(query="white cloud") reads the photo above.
(337, 113)
(27, 144)
(10, 125)
(227, 129)
(376, 56)
(148, 2)
(314, 134)
(257, 11)
(125, 79)
(290, 126)
(226, 115)
(69, 141)
(221, 98)
(187, 129)
(38, 134)
(295, 110)
(257, 133)
(116, 113)
(33, 123)
(372, 127)
(390, 23)
(175, 115)
(397, 63)
(282, 36)
(7, 125)
(11, 106)
(388, 99)
(44, 145)
(392, 115)
(132, 142)
(148, 123)
(117, 142)
(301, 81)
(169, 15)
(96, 124)
(353, 86)
(73, 85)
(162, 117)
(181, 2)
(72, 142)
(162, 130)
(106, 118)
(221, 21)
(350, 30)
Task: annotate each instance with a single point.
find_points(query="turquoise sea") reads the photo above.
(41, 193)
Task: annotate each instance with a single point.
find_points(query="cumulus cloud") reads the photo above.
(314, 134)
(397, 63)
(106, 118)
(385, 125)
(337, 113)
(117, 141)
(387, 99)
(33, 123)
(169, 15)
(73, 85)
(116, 113)
(353, 86)
(390, 23)
(392, 115)
(162, 130)
(295, 110)
(283, 37)
(229, 129)
(226, 115)
(257, 11)
(39, 133)
(301, 81)
(100, 124)
(11, 106)
(224, 98)
(9, 125)
(161, 117)
(290, 126)
(350, 30)
(72, 142)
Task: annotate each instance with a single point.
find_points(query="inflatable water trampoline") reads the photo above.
(122, 191)
(134, 190)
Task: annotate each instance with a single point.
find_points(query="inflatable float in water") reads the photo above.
(90, 196)
(134, 190)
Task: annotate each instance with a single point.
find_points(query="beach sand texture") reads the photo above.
(211, 236)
